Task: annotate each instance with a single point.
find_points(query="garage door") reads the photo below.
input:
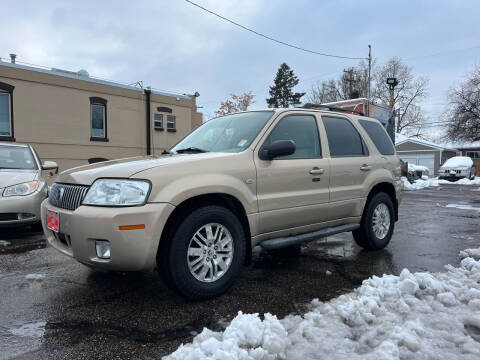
(427, 160)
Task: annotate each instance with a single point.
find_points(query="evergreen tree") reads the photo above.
(281, 93)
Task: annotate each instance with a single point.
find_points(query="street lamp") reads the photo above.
(392, 82)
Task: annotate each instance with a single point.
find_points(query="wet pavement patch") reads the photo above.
(53, 307)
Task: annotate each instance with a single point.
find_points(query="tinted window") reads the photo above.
(378, 136)
(343, 138)
(302, 129)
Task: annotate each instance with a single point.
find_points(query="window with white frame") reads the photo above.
(5, 114)
(473, 154)
(158, 121)
(171, 122)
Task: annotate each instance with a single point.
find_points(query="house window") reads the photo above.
(98, 119)
(473, 154)
(6, 112)
(171, 122)
(158, 122)
(5, 122)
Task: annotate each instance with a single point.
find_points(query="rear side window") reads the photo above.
(343, 138)
(303, 131)
(378, 136)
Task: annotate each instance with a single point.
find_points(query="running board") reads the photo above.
(303, 238)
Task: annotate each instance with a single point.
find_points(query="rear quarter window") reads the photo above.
(379, 136)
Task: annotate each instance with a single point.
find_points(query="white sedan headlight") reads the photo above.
(22, 189)
(117, 192)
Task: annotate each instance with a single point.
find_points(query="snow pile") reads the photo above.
(413, 168)
(424, 183)
(4, 243)
(458, 161)
(466, 181)
(418, 184)
(411, 316)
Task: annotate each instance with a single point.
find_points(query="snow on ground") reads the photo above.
(462, 207)
(35, 276)
(423, 183)
(411, 316)
(4, 243)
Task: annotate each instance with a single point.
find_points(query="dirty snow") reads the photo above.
(36, 329)
(458, 161)
(410, 316)
(4, 243)
(432, 182)
(462, 207)
(35, 276)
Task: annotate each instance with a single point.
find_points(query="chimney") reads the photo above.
(12, 58)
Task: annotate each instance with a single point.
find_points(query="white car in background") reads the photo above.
(22, 187)
(457, 167)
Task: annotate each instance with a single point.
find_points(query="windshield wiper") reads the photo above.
(191, 149)
(166, 152)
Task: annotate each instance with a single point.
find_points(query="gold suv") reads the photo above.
(274, 178)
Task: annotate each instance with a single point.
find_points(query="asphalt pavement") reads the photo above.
(53, 307)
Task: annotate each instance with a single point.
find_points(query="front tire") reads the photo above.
(377, 225)
(206, 253)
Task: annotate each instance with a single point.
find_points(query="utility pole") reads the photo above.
(369, 77)
(350, 81)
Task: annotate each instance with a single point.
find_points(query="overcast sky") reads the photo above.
(172, 45)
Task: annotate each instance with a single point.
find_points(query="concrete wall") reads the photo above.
(52, 113)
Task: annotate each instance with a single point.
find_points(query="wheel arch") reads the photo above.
(389, 189)
(187, 206)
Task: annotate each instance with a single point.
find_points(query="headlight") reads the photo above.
(21, 189)
(117, 192)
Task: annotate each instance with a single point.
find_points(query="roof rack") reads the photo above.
(331, 108)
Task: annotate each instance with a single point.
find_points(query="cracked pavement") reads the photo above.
(53, 307)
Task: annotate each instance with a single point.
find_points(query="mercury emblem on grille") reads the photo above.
(60, 197)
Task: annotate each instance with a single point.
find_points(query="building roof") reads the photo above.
(400, 139)
(83, 75)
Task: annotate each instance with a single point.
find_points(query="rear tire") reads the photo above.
(206, 254)
(377, 225)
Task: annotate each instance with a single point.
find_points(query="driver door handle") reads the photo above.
(317, 171)
(365, 167)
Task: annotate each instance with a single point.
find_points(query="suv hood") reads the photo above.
(10, 177)
(125, 168)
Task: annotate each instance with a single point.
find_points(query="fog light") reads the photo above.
(103, 249)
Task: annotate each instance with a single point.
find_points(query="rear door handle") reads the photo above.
(365, 167)
(317, 171)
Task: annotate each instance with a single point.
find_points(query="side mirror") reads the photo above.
(50, 165)
(277, 149)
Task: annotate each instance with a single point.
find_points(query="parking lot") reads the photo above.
(53, 307)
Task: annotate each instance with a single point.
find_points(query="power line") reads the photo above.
(272, 39)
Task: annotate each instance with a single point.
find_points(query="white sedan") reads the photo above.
(457, 167)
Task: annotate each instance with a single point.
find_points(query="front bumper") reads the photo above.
(130, 250)
(21, 210)
(452, 177)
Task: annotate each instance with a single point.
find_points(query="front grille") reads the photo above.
(67, 196)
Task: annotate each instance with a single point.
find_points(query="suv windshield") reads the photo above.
(230, 133)
(16, 157)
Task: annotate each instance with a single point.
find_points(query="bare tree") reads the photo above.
(464, 109)
(235, 103)
(407, 95)
(324, 92)
(352, 84)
